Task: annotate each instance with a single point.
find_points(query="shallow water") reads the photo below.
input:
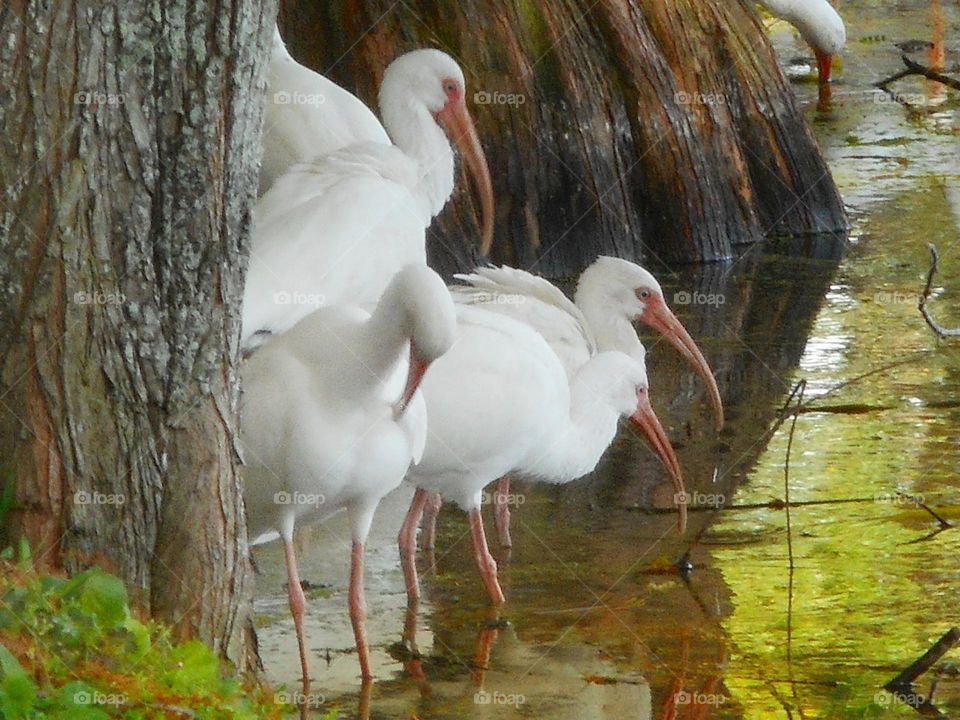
(598, 623)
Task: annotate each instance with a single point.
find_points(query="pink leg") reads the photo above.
(485, 562)
(298, 603)
(501, 511)
(428, 539)
(358, 608)
(407, 540)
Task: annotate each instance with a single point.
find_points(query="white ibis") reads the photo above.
(306, 116)
(818, 23)
(332, 420)
(335, 229)
(611, 295)
(499, 402)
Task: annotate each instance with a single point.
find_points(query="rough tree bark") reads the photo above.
(642, 128)
(128, 158)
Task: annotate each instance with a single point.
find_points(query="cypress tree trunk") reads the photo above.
(642, 128)
(128, 159)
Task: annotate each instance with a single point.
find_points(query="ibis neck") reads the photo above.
(413, 129)
(816, 20)
(386, 336)
(575, 448)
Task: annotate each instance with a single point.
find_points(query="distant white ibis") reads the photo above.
(818, 23)
(335, 229)
(611, 295)
(499, 402)
(332, 420)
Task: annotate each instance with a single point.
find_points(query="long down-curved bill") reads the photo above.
(645, 420)
(661, 318)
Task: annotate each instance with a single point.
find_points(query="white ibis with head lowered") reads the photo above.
(818, 23)
(335, 229)
(500, 401)
(332, 420)
(612, 294)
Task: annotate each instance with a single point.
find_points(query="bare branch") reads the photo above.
(922, 305)
(915, 68)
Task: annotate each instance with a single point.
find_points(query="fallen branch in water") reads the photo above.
(919, 503)
(905, 680)
(922, 305)
(914, 68)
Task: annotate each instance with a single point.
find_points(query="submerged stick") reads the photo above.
(919, 666)
(925, 295)
(915, 68)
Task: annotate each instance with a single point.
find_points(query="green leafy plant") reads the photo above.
(71, 649)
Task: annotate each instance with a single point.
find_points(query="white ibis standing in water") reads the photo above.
(335, 229)
(818, 23)
(332, 421)
(611, 295)
(500, 401)
(306, 116)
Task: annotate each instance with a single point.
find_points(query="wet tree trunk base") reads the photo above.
(650, 129)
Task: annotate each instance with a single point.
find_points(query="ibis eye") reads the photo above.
(450, 88)
(644, 294)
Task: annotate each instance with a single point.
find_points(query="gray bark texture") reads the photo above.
(129, 147)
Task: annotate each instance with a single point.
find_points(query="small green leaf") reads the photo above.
(17, 691)
(100, 595)
(24, 551)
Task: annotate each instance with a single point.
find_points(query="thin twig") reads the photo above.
(919, 503)
(922, 304)
(800, 388)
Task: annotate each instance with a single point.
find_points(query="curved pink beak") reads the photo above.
(661, 318)
(459, 126)
(646, 421)
(415, 372)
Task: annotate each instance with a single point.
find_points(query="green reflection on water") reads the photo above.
(867, 599)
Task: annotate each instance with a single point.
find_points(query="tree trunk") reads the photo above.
(641, 128)
(128, 157)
